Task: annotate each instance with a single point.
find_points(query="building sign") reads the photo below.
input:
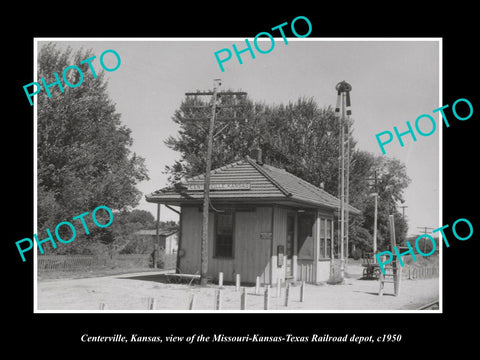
(265, 236)
(220, 186)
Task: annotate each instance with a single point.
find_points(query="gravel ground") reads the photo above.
(132, 292)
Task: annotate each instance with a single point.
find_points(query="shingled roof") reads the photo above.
(247, 181)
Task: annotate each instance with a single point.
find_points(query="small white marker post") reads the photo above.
(220, 279)
(191, 302)
(218, 299)
(287, 293)
(266, 297)
(257, 285)
(243, 299)
(151, 303)
(302, 291)
(237, 282)
(103, 306)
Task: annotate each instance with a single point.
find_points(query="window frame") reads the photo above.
(215, 234)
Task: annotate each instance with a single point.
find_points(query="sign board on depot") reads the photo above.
(219, 186)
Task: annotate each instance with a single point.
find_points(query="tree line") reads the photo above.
(302, 138)
(84, 158)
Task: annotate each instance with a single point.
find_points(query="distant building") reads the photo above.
(168, 239)
(263, 222)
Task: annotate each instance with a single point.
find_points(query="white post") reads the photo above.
(287, 293)
(237, 283)
(151, 303)
(243, 299)
(302, 293)
(218, 299)
(191, 302)
(266, 303)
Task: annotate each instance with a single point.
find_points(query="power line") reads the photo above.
(425, 228)
(206, 189)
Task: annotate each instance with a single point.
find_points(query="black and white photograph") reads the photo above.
(219, 178)
(295, 219)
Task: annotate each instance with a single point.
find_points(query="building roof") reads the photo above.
(247, 181)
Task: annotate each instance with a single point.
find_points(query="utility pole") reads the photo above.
(375, 195)
(206, 188)
(347, 191)
(156, 242)
(425, 228)
(403, 212)
(342, 190)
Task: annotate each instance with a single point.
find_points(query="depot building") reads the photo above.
(263, 221)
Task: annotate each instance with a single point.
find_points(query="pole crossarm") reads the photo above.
(218, 106)
(216, 119)
(204, 93)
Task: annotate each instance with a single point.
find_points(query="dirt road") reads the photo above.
(132, 291)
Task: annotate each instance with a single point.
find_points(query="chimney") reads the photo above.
(259, 156)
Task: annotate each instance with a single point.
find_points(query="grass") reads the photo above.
(90, 273)
(421, 261)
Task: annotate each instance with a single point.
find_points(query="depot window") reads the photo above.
(224, 234)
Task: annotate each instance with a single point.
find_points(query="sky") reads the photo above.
(393, 81)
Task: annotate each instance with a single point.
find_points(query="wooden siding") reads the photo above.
(279, 238)
(190, 243)
(251, 254)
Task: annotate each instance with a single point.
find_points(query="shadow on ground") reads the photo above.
(165, 278)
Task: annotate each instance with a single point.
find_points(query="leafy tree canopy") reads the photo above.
(301, 137)
(84, 156)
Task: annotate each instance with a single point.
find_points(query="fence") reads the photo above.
(305, 272)
(414, 272)
(90, 262)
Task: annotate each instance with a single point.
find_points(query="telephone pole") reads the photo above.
(375, 195)
(403, 211)
(206, 189)
(425, 228)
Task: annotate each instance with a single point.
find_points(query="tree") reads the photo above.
(304, 139)
(83, 151)
(392, 180)
(298, 136)
(142, 217)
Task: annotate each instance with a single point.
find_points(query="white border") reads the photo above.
(336, 39)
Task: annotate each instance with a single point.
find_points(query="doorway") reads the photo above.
(305, 247)
(289, 249)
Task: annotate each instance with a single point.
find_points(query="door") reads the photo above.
(289, 246)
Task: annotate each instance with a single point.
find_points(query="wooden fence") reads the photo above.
(305, 272)
(414, 272)
(89, 262)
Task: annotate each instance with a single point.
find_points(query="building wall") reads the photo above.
(279, 239)
(191, 230)
(255, 253)
(251, 253)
